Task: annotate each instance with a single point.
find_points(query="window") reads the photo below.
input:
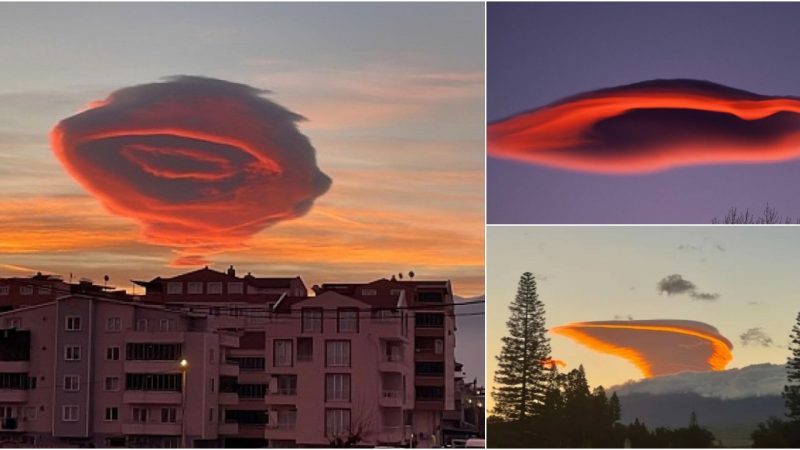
(166, 324)
(153, 352)
(69, 413)
(305, 349)
(169, 415)
(438, 346)
(141, 324)
(16, 380)
(139, 414)
(369, 292)
(430, 297)
(337, 387)
(429, 392)
(287, 385)
(45, 290)
(429, 320)
(26, 290)
(5, 290)
(312, 320)
(235, 287)
(113, 324)
(214, 288)
(248, 363)
(287, 419)
(337, 422)
(14, 322)
(347, 320)
(72, 383)
(164, 382)
(211, 385)
(174, 288)
(73, 323)
(112, 384)
(112, 414)
(72, 353)
(211, 356)
(194, 287)
(210, 414)
(112, 354)
(337, 354)
(435, 368)
(282, 352)
(256, 390)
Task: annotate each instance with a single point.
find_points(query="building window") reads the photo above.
(312, 320)
(142, 351)
(163, 382)
(26, 290)
(72, 353)
(347, 320)
(337, 353)
(166, 324)
(211, 384)
(139, 415)
(72, 383)
(5, 290)
(287, 385)
(235, 287)
(214, 288)
(112, 414)
(210, 414)
(112, 384)
(45, 290)
(305, 349)
(141, 324)
(337, 422)
(369, 292)
(112, 354)
(282, 352)
(73, 323)
(430, 297)
(438, 346)
(430, 368)
(69, 413)
(14, 322)
(211, 359)
(169, 415)
(429, 320)
(337, 387)
(174, 288)
(194, 287)
(113, 324)
(429, 392)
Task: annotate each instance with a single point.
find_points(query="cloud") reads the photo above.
(675, 284)
(751, 381)
(655, 347)
(755, 337)
(202, 164)
(651, 126)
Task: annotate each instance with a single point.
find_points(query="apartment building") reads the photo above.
(266, 365)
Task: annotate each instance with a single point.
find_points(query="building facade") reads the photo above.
(212, 359)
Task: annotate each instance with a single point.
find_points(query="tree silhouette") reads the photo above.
(769, 216)
(521, 378)
(791, 392)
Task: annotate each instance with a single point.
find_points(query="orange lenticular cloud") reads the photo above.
(655, 347)
(202, 164)
(651, 126)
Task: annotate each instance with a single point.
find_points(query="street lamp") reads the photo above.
(184, 365)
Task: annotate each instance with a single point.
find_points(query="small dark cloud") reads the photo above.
(625, 317)
(675, 284)
(755, 337)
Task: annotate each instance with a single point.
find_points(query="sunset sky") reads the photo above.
(393, 94)
(609, 273)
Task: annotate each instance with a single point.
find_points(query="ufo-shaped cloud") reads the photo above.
(655, 347)
(202, 164)
(651, 126)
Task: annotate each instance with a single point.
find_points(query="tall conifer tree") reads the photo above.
(791, 392)
(521, 379)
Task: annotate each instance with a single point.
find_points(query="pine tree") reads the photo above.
(791, 392)
(521, 378)
(615, 408)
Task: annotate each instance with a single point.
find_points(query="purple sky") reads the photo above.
(541, 52)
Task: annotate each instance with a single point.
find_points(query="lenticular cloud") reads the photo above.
(202, 164)
(651, 126)
(655, 347)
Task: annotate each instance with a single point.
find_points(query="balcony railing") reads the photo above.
(393, 394)
(286, 391)
(392, 357)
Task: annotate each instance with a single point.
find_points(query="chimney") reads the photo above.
(231, 271)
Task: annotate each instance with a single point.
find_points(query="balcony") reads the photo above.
(151, 366)
(228, 340)
(392, 362)
(152, 428)
(229, 428)
(13, 396)
(155, 337)
(228, 398)
(231, 370)
(391, 398)
(153, 397)
(15, 366)
(282, 431)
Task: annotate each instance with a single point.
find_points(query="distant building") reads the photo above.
(265, 364)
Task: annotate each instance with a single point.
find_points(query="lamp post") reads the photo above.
(184, 365)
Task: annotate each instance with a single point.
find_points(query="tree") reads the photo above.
(770, 216)
(521, 379)
(791, 392)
